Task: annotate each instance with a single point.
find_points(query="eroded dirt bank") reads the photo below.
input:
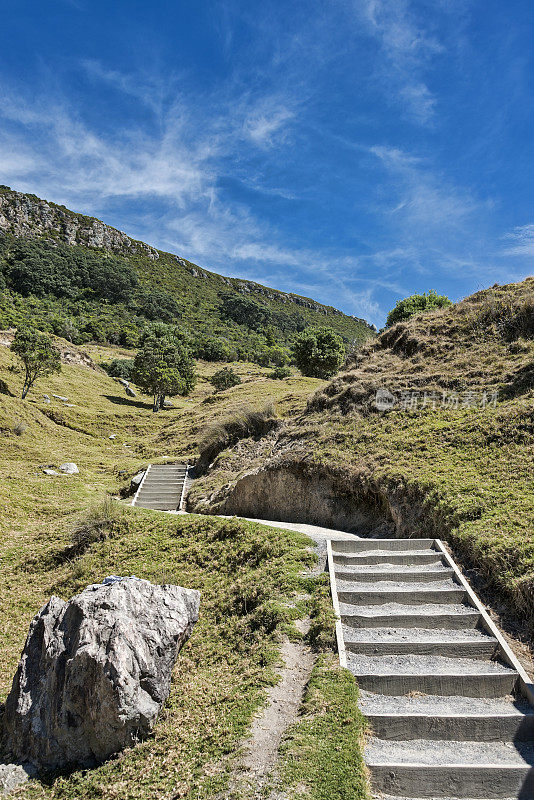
(296, 491)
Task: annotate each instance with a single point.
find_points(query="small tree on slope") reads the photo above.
(38, 355)
(163, 367)
(318, 354)
(416, 304)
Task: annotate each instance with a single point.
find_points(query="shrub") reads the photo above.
(215, 349)
(278, 356)
(280, 373)
(120, 368)
(225, 379)
(45, 268)
(156, 305)
(96, 526)
(318, 354)
(20, 428)
(416, 304)
(245, 311)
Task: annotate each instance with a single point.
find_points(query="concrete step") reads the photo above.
(363, 575)
(440, 675)
(454, 718)
(403, 615)
(382, 796)
(156, 505)
(369, 546)
(167, 473)
(401, 594)
(165, 493)
(426, 768)
(470, 643)
(162, 481)
(165, 476)
(409, 557)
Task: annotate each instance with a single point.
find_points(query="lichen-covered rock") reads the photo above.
(12, 775)
(95, 671)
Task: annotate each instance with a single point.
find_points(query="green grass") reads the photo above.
(249, 578)
(58, 534)
(462, 474)
(322, 753)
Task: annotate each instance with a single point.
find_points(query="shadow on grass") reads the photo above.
(127, 401)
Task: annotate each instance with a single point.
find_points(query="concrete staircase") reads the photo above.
(447, 702)
(163, 487)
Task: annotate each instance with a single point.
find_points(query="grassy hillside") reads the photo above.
(85, 281)
(254, 580)
(454, 455)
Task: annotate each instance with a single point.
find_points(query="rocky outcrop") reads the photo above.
(27, 215)
(95, 672)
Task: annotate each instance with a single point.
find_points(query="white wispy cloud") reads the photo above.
(262, 125)
(521, 241)
(424, 199)
(407, 49)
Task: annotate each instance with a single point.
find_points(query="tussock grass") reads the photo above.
(241, 424)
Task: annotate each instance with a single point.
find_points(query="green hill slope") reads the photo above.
(451, 458)
(84, 280)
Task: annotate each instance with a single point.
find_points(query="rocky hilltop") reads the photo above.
(25, 215)
(28, 216)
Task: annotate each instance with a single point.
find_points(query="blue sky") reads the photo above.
(355, 151)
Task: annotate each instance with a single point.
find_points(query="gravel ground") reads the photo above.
(436, 705)
(430, 752)
(422, 665)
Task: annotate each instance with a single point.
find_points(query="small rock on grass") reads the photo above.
(70, 468)
(12, 775)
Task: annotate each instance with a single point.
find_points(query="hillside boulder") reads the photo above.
(95, 672)
(69, 468)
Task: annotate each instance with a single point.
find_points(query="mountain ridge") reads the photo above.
(26, 215)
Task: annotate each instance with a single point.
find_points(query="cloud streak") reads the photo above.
(407, 50)
(521, 241)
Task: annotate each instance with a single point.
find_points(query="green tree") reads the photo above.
(279, 373)
(224, 379)
(213, 348)
(416, 304)
(163, 367)
(38, 355)
(318, 353)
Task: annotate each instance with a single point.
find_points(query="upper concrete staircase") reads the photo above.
(163, 487)
(447, 702)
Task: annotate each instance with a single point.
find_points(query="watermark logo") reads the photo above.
(385, 400)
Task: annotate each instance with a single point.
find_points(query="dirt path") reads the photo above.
(257, 767)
